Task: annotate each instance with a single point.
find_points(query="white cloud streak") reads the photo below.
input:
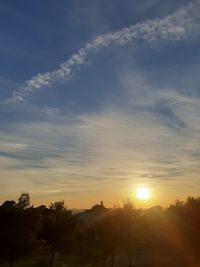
(116, 148)
(182, 24)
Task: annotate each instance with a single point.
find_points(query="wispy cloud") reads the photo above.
(117, 147)
(182, 24)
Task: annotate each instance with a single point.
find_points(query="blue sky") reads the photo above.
(99, 97)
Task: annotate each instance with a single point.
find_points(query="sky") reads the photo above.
(98, 98)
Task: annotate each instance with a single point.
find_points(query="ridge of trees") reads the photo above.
(100, 236)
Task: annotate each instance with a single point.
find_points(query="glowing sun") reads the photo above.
(143, 193)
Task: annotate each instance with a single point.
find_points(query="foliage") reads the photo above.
(23, 201)
(55, 237)
(18, 231)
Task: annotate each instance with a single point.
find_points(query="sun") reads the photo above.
(143, 193)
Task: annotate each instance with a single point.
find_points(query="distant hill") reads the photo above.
(76, 211)
(93, 214)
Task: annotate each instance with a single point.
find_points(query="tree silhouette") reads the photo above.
(99, 236)
(58, 206)
(58, 229)
(18, 231)
(23, 201)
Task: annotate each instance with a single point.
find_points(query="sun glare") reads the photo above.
(143, 193)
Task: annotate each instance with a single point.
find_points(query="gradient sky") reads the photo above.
(99, 97)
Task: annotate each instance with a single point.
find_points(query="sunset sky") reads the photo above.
(98, 98)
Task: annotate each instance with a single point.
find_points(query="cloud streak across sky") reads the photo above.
(120, 146)
(149, 135)
(182, 24)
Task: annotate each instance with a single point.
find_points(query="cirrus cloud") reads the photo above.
(182, 24)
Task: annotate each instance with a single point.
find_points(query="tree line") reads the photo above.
(53, 236)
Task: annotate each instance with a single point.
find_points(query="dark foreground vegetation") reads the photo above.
(99, 237)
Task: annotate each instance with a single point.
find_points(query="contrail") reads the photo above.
(182, 24)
